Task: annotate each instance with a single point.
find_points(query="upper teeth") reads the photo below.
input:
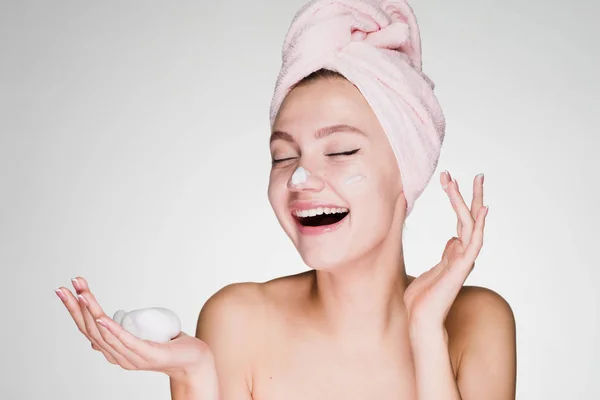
(318, 211)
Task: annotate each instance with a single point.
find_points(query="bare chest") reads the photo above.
(301, 371)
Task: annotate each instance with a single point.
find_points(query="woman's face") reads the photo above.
(346, 202)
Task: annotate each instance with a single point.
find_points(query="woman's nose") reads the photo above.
(302, 180)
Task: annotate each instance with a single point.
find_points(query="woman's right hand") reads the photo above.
(182, 357)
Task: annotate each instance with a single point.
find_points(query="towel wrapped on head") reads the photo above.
(376, 46)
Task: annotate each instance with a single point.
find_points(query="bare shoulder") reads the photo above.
(482, 342)
(243, 307)
(476, 310)
(236, 306)
(229, 324)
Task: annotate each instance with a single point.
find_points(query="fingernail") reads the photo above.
(83, 300)
(445, 185)
(487, 208)
(102, 323)
(480, 176)
(60, 294)
(76, 284)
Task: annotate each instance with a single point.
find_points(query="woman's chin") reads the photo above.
(324, 259)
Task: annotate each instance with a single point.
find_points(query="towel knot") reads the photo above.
(330, 27)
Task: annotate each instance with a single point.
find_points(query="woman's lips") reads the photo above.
(319, 230)
(304, 205)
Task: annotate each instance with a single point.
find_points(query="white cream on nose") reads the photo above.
(299, 176)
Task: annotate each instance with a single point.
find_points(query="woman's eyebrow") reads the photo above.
(328, 130)
(319, 134)
(280, 135)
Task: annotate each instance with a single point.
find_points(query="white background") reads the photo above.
(133, 152)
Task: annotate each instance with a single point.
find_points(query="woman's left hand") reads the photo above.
(429, 297)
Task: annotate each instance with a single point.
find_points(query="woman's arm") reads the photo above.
(488, 365)
(229, 324)
(487, 368)
(433, 371)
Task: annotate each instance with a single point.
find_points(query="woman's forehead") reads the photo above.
(325, 106)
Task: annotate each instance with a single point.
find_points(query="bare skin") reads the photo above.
(346, 329)
(294, 356)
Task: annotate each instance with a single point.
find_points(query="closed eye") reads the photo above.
(281, 160)
(344, 153)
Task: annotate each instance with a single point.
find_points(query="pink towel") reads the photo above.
(376, 46)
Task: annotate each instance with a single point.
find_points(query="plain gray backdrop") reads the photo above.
(133, 152)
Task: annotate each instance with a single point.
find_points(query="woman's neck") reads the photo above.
(364, 299)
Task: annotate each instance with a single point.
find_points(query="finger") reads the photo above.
(458, 223)
(76, 282)
(449, 249)
(144, 352)
(80, 284)
(72, 306)
(96, 336)
(133, 360)
(477, 200)
(474, 247)
(97, 314)
(445, 179)
(424, 280)
(462, 211)
(428, 278)
(453, 280)
(463, 265)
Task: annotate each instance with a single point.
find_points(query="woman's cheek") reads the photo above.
(276, 188)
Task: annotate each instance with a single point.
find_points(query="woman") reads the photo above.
(354, 142)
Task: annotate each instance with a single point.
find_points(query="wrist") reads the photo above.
(423, 335)
(203, 368)
(200, 383)
(198, 360)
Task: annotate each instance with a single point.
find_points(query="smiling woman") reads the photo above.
(356, 133)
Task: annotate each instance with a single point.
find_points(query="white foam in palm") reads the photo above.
(156, 324)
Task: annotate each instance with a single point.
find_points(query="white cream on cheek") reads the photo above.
(354, 179)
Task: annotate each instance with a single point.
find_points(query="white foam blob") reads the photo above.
(156, 324)
(299, 176)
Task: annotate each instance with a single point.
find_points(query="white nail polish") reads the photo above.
(83, 300)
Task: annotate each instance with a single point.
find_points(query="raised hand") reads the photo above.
(429, 297)
(178, 358)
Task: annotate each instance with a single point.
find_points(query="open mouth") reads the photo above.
(321, 216)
